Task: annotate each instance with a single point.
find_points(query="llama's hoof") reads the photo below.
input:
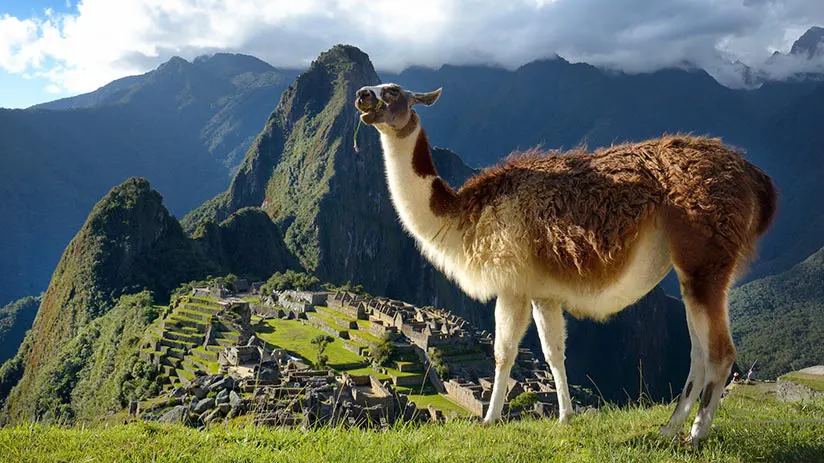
(487, 422)
(565, 418)
(694, 441)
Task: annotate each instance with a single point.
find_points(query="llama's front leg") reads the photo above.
(549, 318)
(695, 381)
(511, 320)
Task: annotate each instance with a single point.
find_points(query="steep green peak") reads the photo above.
(343, 56)
(332, 77)
(132, 199)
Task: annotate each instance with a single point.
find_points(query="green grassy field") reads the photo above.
(296, 337)
(611, 434)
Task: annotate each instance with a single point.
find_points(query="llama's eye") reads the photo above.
(391, 93)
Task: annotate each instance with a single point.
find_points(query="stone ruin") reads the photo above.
(465, 352)
(293, 395)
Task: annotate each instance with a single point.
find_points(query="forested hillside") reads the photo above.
(778, 321)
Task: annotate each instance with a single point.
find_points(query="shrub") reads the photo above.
(524, 400)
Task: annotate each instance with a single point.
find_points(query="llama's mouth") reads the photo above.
(370, 116)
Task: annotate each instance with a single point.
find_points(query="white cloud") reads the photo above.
(101, 40)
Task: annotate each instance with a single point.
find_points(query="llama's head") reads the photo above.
(388, 107)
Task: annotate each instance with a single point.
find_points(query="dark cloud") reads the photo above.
(721, 36)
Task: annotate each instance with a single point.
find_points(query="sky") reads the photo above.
(51, 49)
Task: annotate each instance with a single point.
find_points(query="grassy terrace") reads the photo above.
(363, 325)
(296, 337)
(814, 382)
(422, 401)
(611, 434)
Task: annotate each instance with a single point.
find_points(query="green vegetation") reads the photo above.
(290, 279)
(15, 319)
(184, 125)
(610, 434)
(129, 242)
(321, 341)
(439, 401)
(778, 321)
(383, 352)
(524, 400)
(96, 371)
(296, 337)
(348, 287)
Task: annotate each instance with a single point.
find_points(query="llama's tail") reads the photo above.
(767, 198)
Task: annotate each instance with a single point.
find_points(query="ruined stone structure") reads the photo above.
(299, 301)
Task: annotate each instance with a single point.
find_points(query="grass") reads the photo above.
(610, 434)
(335, 313)
(369, 371)
(296, 337)
(401, 374)
(814, 382)
(363, 331)
(422, 401)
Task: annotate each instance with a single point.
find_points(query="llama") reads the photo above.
(589, 233)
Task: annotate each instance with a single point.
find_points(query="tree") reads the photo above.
(290, 279)
(383, 352)
(322, 341)
(348, 287)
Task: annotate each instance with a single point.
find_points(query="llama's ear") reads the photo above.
(428, 98)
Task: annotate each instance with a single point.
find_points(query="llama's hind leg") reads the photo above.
(549, 318)
(712, 328)
(705, 295)
(512, 317)
(695, 380)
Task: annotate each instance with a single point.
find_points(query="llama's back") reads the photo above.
(583, 210)
(713, 188)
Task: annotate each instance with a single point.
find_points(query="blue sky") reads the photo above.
(17, 91)
(79, 46)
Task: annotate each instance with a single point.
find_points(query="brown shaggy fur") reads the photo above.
(584, 209)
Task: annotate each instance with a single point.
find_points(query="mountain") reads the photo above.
(15, 319)
(486, 113)
(184, 126)
(644, 349)
(804, 62)
(223, 98)
(810, 44)
(778, 321)
(797, 141)
(129, 244)
(332, 203)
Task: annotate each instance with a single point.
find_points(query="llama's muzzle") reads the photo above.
(366, 100)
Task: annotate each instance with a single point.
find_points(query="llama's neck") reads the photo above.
(424, 201)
